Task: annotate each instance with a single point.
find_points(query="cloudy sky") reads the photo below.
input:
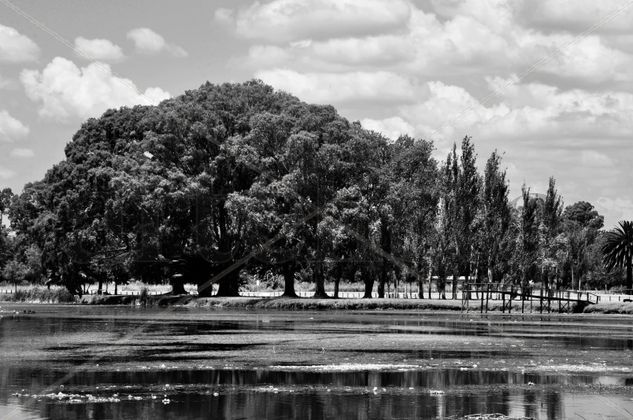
(549, 83)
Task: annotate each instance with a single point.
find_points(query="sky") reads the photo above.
(547, 83)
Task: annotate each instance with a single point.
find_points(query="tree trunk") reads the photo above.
(177, 285)
(441, 286)
(383, 279)
(385, 244)
(229, 285)
(368, 281)
(319, 281)
(579, 283)
(430, 275)
(369, 286)
(338, 275)
(629, 276)
(116, 288)
(289, 283)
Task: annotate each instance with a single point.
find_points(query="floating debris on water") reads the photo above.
(345, 367)
(74, 398)
(493, 416)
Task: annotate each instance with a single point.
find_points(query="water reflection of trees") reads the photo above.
(315, 405)
(314, 395)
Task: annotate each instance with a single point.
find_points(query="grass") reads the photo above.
(39, 294)
(146, 295)
(610, 308)
(303, 304)
(290, 304)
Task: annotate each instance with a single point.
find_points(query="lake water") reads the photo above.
(78, 362)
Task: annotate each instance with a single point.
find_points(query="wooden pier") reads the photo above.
(488, 294)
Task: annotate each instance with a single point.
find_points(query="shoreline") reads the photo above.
(312, 304)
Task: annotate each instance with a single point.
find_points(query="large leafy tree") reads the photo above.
(153, 185)
(551, 220)
(445, 251)
(6, 196)
(495, 233)
(528, 238)
(413, 199)
(460, 201)
(358, 221)
(618, 251)
(468, 201)
(580, 224)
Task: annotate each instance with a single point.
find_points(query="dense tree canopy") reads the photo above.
(238, 178)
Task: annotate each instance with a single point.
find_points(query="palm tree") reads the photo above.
(617, 251)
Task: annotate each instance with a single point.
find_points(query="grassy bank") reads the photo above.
(288, 304)
(610, 308)
(39, 294)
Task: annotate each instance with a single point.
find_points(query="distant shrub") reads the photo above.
(41, 294)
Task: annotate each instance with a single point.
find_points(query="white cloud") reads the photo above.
(525, 112)
(391, 128)
(6, 173)
(578, 15)
(595, 158)
(6, 83)
(573, 113)
(474, 38)
(619, 208)
(586, 58)
(98, 49)
(22, 153)
(148, 41)
(15, 47)
(335, 87)
(224, 15)
(65, 90)
(11, 128)
(291, 20)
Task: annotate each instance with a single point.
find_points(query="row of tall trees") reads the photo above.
(237, 178)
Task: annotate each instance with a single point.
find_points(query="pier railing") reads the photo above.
(528, 296)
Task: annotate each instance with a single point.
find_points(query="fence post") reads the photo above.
(510, 299)
(481, 306)
(560, 300)
(487, 297)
